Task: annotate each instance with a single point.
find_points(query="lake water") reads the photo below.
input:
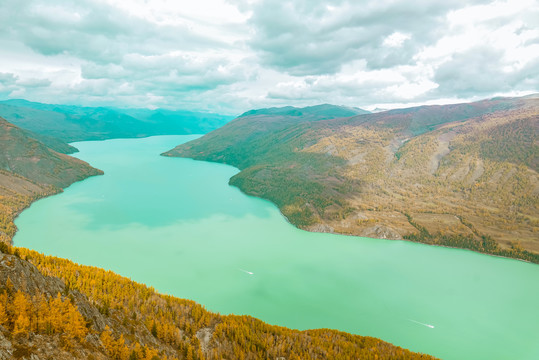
(177, 225)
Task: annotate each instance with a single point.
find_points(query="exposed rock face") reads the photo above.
(204, 336)
(381, 232)
(321, 228)
(27, 278)
(6, 348)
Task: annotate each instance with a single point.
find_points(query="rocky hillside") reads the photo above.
(51, 308)
(30, 170)
(463, 175)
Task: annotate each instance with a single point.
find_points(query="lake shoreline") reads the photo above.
(37, 197)
(346, 234)
(182, 229)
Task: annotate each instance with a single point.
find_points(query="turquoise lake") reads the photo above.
(175, 224)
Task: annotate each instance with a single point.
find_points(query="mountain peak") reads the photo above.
(322, 111)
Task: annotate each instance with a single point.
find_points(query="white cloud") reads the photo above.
(474, 14)
(396, 39)
(233, 55)
(8, 78)
(34, 83)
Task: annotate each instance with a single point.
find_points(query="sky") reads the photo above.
(229, 56)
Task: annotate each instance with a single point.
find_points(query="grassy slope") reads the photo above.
(461, 175)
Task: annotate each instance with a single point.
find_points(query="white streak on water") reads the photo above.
(420, 323)
(247, 272)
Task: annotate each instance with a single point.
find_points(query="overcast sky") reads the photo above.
(230, 56)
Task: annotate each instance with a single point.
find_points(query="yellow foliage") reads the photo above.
(233, 336)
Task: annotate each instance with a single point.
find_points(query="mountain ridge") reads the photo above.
(439, 174)
(70, 123)
(320, 111)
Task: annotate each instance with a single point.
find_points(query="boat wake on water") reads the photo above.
(420, 323)
(247, 272)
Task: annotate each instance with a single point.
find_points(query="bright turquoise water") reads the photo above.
(176, 225)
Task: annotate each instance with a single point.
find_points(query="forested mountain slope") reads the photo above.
(463, 175)
(61, 310)
(75, 123)
(30, 170)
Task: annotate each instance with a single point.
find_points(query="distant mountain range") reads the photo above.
(462, 175)
(75, 123)
(317, 112)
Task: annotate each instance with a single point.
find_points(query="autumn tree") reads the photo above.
(107, 340)
(3, 310)
(21, 316)
(75, 324)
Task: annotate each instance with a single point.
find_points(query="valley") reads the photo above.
(180, 228)
(56, 310)
(273, 180)
(56, 125)
(136, 214)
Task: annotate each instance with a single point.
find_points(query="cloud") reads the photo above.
(92, 71)
(318, 37)
(7, 83)
(232, 55)
(480, 71)
(34, 83)
(494, 51)
(7, 79)
(92, 30)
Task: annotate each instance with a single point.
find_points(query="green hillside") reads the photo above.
(462, 175)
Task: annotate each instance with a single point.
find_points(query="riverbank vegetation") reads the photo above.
(485, 244)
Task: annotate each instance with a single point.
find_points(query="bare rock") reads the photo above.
(323, 228)
(26, 277)
(6, 349)
(381, 232)
(204, 336)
